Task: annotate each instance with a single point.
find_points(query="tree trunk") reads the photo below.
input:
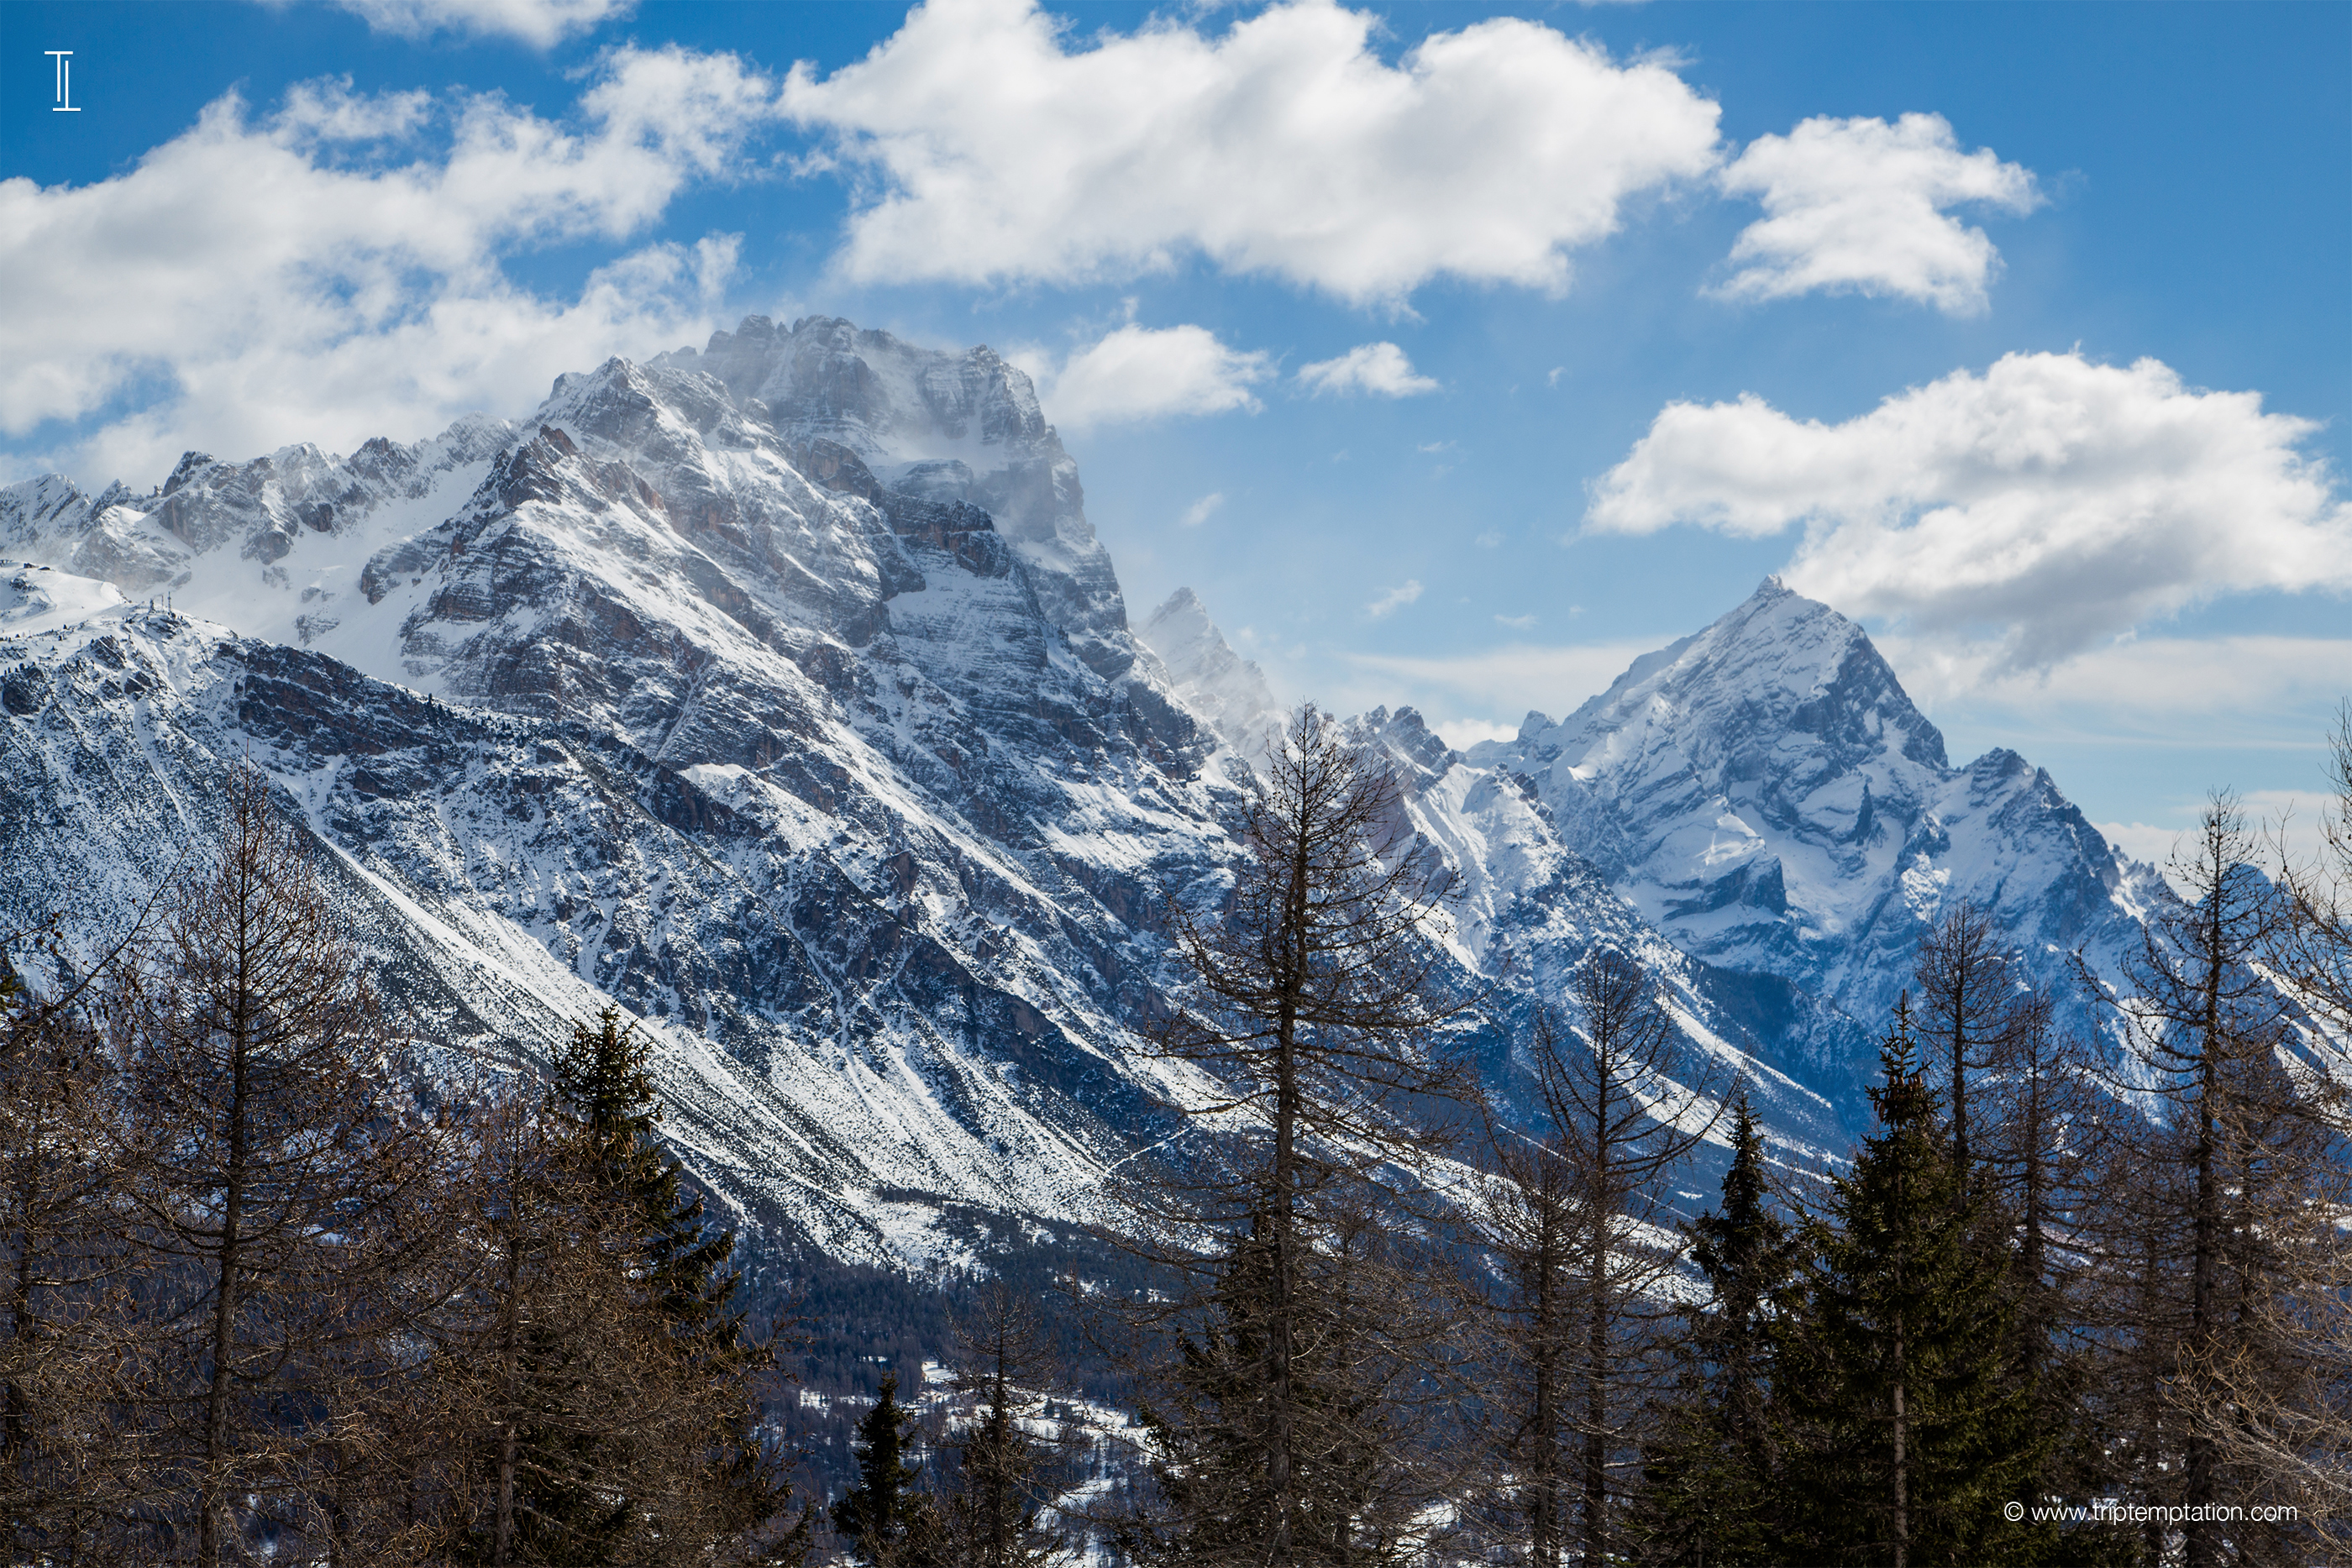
(213, 1498)
(2206, 1237)
(511, 1353)
(1286, 1155)
(1596, 1352)
(1902, 1461)
(1543, 1515)
(1278, 1438)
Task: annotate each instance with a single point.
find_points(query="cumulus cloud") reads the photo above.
(324, 274)
(538, 23)
(1860, 205)
(1146, 372)
(1003, 149)
(1394, 599)
(2052, 501)
(1378, 367)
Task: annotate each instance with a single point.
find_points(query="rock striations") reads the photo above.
(781, 693)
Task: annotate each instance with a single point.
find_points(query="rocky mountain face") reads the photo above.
(781, 693)
(962, 428)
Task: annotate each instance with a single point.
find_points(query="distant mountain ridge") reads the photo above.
(779, 691)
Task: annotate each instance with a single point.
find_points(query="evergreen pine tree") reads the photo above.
(1208, 1435)
(993, 1520)
(886, 1518)
(1711, 1481)
(592, 1491)
(602, 1084)
(1909, 1428)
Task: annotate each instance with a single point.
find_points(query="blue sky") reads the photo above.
(1453, 353)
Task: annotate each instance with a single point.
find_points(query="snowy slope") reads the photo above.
(822, 1053)
(41, 599)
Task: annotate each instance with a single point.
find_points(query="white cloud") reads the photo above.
(2055, 501)
(1200, 511)
(2238, 690)
(538, 23)
(1515, 623)
(1146, 372)
(1462, 733)
(1283, 146)
(288, 278)
(1379, 368)
(2281, 820)
(1394, 599)
(1859, 204)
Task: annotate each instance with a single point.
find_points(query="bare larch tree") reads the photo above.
(1314, 1007)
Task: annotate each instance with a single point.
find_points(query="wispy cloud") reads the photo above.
(1200, 511)
(1502, 684)
(538, 23)
(2246, 689)
(1515, 623)
(1394, 599)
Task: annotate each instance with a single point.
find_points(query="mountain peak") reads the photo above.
(1777, 661)
(1227, 690)
(900, 406)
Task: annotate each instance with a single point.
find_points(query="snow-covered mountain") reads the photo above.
(781, 693)
(1765, 794)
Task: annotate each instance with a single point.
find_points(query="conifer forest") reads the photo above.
(287, 1283)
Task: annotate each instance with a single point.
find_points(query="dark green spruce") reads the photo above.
(1908, 1425)
(887, 1519)
(602, 1087)
(1711, 1482)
